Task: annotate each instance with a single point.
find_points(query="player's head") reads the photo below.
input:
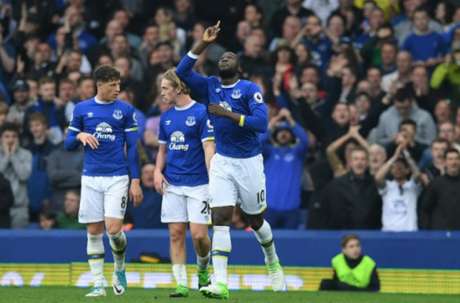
(172, 86)
(228, 65)
(351, 246)
(107, 80)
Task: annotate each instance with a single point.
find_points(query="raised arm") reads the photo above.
(331, 152)
(197, 83)
(383, 171)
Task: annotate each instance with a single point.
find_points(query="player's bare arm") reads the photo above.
(159, 178)
(89, 139)
(209, 36)
(209, 148)
(135, 192)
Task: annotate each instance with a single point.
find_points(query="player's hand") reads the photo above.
(210, 34)
(217, 110)
(89, 139)
(135, 192)
(159, 182)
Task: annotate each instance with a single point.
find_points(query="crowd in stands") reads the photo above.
(363, 97)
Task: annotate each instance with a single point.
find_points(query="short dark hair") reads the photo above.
(45, 80)
(348, 238)
(451, 150)
(38, 116)
(408, 122)
(404, 93)
(9, 126)
(440, 140)
(359, 148)
(106, 73)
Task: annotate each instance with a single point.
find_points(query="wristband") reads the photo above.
(241, 123)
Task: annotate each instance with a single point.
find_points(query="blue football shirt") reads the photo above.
(183, 130)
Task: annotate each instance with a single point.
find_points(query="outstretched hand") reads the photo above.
(210, 34)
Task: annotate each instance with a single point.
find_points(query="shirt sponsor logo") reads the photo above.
(104, 132)
(117, 114)
(177, 141)
(190, 121)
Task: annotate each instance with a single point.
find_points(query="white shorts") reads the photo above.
(103, 197)
(183, 204)
(242, 181)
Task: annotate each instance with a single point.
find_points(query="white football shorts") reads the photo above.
(183, 204)
(238, 181)
(103, 197)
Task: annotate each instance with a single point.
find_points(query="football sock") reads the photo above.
(221, 248)
(95, 252)
(265, 237)
(118, 243)
(180, 274)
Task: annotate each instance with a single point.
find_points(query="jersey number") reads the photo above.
(206, 208)
(261, 196)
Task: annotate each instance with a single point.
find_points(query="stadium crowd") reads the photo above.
(364, 128)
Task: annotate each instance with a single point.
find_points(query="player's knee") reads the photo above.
(199, 236)
(256, 221)
(222, 217)
(113, 229)
(176, 235)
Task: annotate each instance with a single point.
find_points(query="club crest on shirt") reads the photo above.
(236, 94)
(191, 121)
(90, 114)
(168, 122)
(218, 90)
(117, 114)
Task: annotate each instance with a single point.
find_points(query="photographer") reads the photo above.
(285, 147)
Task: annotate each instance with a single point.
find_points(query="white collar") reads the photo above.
(231, 85)
(102, 102)
(185, 107)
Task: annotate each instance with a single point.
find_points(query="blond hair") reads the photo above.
(175, 81)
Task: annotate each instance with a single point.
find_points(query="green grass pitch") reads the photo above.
(73, 295)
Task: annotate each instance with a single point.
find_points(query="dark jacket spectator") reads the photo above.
(440, 208)
(352, 200)
(6, 201)
(64, 171)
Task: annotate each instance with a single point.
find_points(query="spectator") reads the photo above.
(435, 167)
(38, 185)
(404, 107)
(284, 149)
(3, 113)
(423, 44)
(21, 102)
(317, 42)
(72, 61)
(150, 38)
(424, 95)
(6, 202)
(123, 18)
(446, 76)
(41, 65)
(402, 74)
(68, 219)
(184, 15)
(349, 141)
(49, 106)
(291, 29)
(440, 209)
(353, 271)
(64, 171)
(292, 8)
(86, 88)
(443, 111)
(16, 166)
(66, 95)
(377, 157)
(399, 196)
(47, 220)
(322, 8)
(121, 48)
(352, 200)
(406, 137)
(253, 59)
(148, 214)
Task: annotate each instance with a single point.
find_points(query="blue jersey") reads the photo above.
(243, 97)
(113, 124)
(183, 130)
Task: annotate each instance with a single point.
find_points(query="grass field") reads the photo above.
(72, 295)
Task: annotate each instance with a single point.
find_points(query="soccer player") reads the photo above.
(238, 114)
(186, 148)
(105, 125)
